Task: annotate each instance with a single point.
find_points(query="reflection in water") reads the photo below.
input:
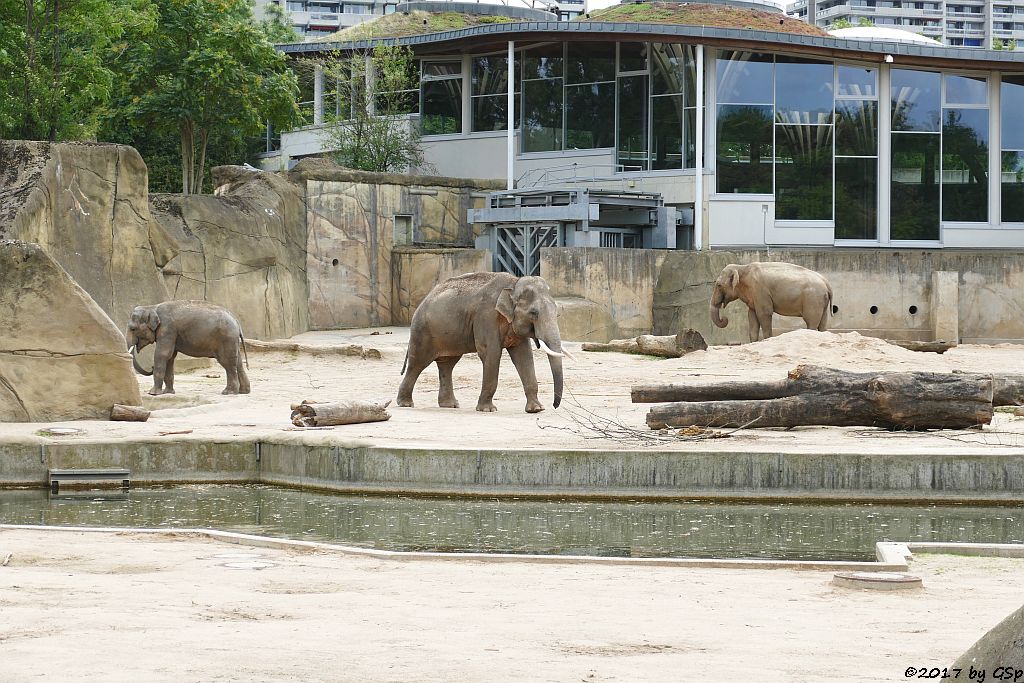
(780, 531)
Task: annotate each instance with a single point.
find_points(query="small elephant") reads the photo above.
(195, 328)
(766, 288)
(484, 313)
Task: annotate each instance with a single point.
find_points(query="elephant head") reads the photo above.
(533, 314)
(141, 333)
(724, 293)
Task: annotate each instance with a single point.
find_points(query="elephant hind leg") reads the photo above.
(446, 394)
(231, 361)
(417, 363)
(243, 379)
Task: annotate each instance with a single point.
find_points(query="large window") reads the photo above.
(1012, 164)
(441, 98)
(542, 98)
(490, 93)
(673, 106)
(745, 114)
(633, 107)
(965, 149)
(589, 95)
(856, 164)
(916, 135)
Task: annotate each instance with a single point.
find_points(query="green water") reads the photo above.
(699, 529)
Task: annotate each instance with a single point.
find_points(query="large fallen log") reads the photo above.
(1007, 390)
(666, 346)
(120, 413)
(939, 346)
(342, 413)
(823, 396)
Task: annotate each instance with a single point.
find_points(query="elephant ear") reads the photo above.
(505, 305)
(734, 277)
(153, 320)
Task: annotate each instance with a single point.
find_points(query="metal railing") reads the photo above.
(572, 174)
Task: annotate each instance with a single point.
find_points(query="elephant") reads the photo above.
(195, 328)
(484, 313)
(766, 288)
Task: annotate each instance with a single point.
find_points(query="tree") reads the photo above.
(842, 22)
(277, 26)
(864, 22)
(61, 57)
(371, 128)
(209, 71)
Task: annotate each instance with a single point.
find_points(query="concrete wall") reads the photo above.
(603, 293)
(351, 219)
(414, 272)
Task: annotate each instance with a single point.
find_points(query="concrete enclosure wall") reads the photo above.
(414, 272)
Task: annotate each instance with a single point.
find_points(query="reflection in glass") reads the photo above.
(490, 112)
(672, 69)
(441, 69)
(915, 101)
(803, 173)
(690, 137)
(803, 91)
(667, 132)
(632, 123)
(543, 62)
(542, 115)
(966, 89)
(490, 75)
(632, 57)
(1013, 187)
(856, 199)
(744, 78)
(588, 111)
(965, 165)
(1012, 104)
(857, 81)
(442, 106)
(856, 127)
(745, 149)
(590, 62)
(915, 189)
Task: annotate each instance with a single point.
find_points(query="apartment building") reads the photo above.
(957, 23)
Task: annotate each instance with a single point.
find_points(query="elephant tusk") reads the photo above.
(547, 350)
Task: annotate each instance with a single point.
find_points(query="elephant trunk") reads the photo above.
(715, 308)
(135, 363)
(551, 342)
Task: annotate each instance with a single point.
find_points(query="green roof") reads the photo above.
(693, 14)
(414, 23)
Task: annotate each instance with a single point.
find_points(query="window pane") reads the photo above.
(1013, 187)
(745, 78)
(442, 106)
(490, 75)
(1012, 103)
(965, 165)
(690, 137)
(633, 122)
(489, 113)
(542, 115)
(856, 199)
(667, 132)
(857, 81)
(803, 173)
(440, 69)
(632, 57)
(915, 100)
(671, 65)
(589, 111)
(966, 90)
(590, 62)
(543, 62)
(915, 190)
(857, 127)
(803, 91)
(745, 149)
(397, 103)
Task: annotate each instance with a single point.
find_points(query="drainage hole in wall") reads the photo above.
(334, 262)
(873, 309)
(835, 309)
(913, 310)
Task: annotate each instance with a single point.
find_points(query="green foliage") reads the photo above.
(371, 130)
(209, 74)
(864, 22)
(277, 26)
(840, 23)
(997, 44)
(60, 59)
(414, 23)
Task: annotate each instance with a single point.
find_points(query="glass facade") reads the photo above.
(489, 96)
(441, 98)
(856, 154)
(1011, 181)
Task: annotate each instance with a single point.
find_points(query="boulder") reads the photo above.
(61, 356)
(1002, 647)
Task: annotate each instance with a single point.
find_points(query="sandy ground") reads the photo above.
(597, 383)
(93, 606)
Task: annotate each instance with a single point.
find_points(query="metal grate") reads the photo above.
(518, 247)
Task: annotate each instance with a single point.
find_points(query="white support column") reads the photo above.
(511, 118)
(698, 185)
(318, 96)
(995, 153)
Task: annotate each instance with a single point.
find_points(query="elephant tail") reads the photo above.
(244, 352)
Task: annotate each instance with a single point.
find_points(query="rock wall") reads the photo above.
(351, 221)
(61, 356)
(414, 272)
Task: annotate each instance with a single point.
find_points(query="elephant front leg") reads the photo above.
(169, 375)
(446, 394)
(162, 358)
(490, 356)
(753, 326)
(522, 358)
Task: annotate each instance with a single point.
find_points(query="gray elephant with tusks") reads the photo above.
(484, 313)
(195, 328)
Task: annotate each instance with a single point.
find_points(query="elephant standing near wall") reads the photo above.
(484, 313)
(195, 328)
(766, 288)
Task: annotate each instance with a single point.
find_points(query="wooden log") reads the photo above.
(1007, 390)
(120, 413)
(924, 346)
(341, 413)
(666, 346)
(822, 396)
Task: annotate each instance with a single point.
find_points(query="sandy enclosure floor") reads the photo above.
(596, 384)
(97, 606)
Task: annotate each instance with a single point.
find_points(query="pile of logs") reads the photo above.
(822, 396)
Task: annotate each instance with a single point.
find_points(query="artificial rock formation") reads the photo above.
(1002, 648)
(61, 357)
